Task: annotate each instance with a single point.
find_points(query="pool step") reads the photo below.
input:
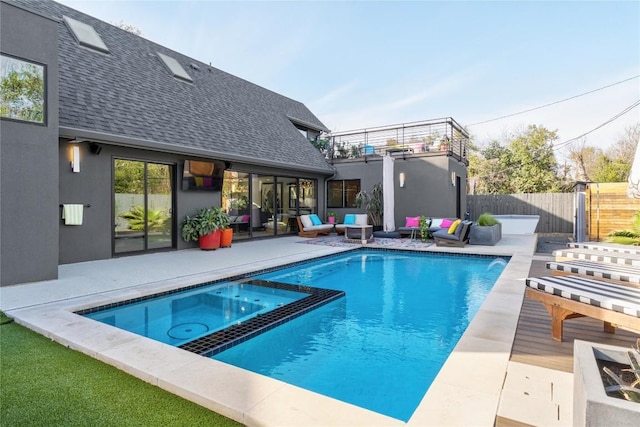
(606, 247)
(620, 273)
(597, 256)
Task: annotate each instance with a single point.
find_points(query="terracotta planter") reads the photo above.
(210, 241)
(226, 236)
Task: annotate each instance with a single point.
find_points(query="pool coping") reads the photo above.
(462, 394)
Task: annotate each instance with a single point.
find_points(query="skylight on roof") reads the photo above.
(175, 68)
(86, 35)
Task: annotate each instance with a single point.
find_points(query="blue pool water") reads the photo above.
(381, 346)
(184, 316)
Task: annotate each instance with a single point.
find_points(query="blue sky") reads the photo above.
(367, 64)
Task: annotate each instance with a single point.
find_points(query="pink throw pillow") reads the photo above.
(413, 221)
(446, 223)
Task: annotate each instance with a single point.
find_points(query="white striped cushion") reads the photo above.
(599, 256)
(623, 273)
(620, 298)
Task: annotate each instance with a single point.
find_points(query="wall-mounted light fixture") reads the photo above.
(453, 179)
(402, 178)
(75, 158)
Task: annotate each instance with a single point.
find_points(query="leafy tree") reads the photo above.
(525, 164)
(595, 165)
(22, 93)
(532, 162)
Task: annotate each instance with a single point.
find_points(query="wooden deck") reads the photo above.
(533, 344)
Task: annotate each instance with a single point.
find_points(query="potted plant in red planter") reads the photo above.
(204, 227)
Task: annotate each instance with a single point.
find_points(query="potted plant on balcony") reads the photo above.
(372, 203)
(204, 227)
(331, 217)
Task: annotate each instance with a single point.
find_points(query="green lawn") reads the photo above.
(43, 383)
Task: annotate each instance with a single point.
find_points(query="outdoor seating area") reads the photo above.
(412, 225)
(352, 220)
(311, 226)
(456, 235)
(567, 296)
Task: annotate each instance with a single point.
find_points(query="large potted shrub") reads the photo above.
(373, 204)
(486, 231)
(204, 227)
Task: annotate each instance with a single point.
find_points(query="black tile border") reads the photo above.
(222, 340)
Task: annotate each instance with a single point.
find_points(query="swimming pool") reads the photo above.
(378, 347)
(382, 345)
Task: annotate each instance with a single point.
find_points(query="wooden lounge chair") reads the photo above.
(313, 230)
(568, 297)
(620, 273)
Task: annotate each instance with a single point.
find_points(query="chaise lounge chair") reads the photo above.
(567, 297)
(458, 238)
(306, 227)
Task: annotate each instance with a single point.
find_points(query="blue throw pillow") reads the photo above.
(349, 219)
(315, 220)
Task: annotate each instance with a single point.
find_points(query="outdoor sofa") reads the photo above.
(311, 226)
(352, 219)
(412, 225)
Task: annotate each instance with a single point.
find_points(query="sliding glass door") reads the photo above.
(143, 206)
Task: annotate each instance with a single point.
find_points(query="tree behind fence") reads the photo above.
(556, 210)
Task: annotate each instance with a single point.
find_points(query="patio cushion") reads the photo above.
(621, 298)
(361, 219)
(454, 226)
(315, 220)
(349, 219)
(446, 223)
(412, 221)
(306, 221)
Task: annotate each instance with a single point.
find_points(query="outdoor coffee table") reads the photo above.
(358, 233)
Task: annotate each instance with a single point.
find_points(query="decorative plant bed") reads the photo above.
(592, 405)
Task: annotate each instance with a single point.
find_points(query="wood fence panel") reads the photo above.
(556, 210)
(608, 209)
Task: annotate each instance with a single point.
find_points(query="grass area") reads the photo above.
(44, 384)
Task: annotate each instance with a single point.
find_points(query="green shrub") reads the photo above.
(487, 219)
(627, 237)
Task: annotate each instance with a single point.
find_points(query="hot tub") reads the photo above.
(518, 224)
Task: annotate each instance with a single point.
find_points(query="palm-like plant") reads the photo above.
(627, 237)
(372, 203)
(155, 218)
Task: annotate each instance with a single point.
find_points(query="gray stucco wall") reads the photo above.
(428, 186)
(29, 174)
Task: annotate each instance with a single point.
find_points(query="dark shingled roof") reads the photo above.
(130, 95)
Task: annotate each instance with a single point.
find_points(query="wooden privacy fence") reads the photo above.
(556, 210)
(608, 208)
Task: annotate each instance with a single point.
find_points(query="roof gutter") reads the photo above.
(125, 141)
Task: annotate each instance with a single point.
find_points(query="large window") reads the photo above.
(21, 90)
(342, 193)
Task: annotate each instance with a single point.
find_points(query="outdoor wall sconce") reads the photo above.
(75, 158)
(402, 178)
(453, 179)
